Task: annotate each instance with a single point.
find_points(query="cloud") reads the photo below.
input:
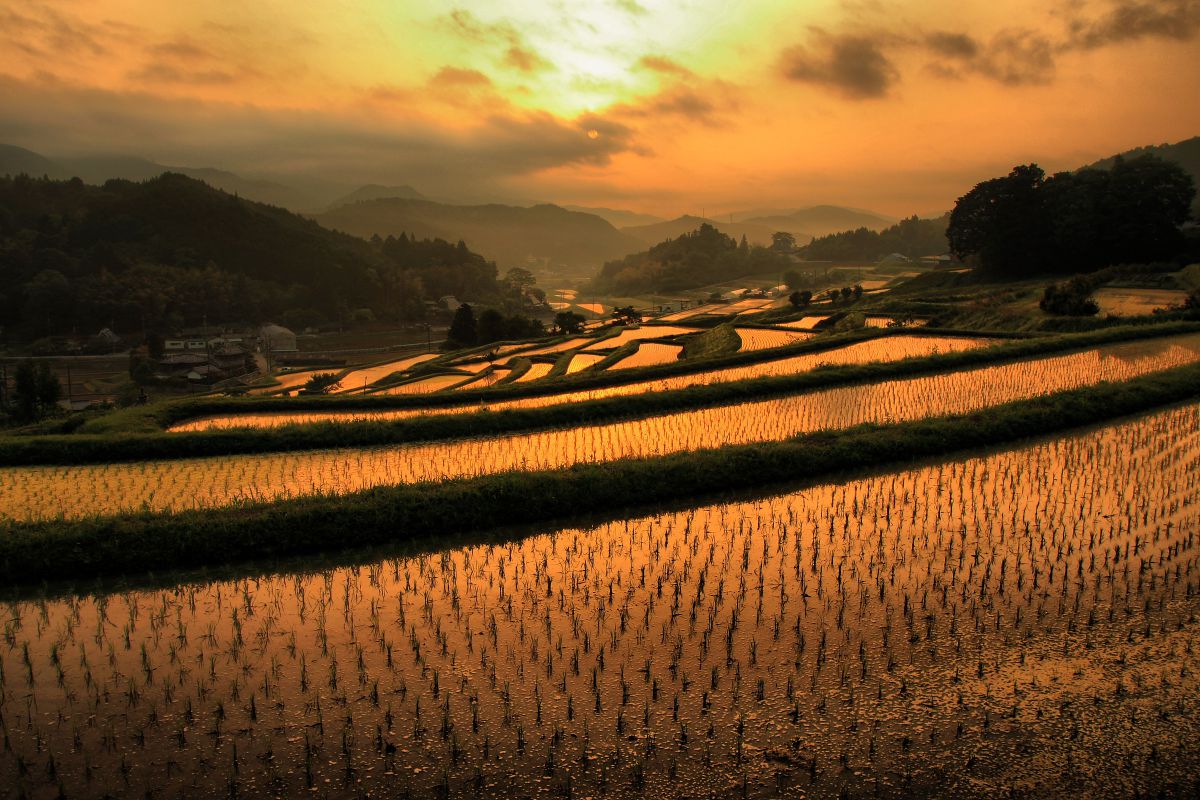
(860, 63)
(952, 45)
(1130, 20)
(1015, 56)
(496, 151)
(663, 66)
(516, 53)
(524, 59)
(456, 77)
(853, 65)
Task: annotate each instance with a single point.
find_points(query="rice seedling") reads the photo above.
(49, 492)
(872, 351)
(899, 632)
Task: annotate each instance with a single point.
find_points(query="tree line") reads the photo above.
(1026, 223)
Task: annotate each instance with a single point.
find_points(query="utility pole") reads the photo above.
(68, 382)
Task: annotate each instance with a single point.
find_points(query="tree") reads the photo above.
(626, 315)
(568, 322)
(490, 327)
(462, 331)
(321, 383)
(35, 390)
(783, 242)
(1071, 298)
(800, 299)
(1025, 224)
(858, 291)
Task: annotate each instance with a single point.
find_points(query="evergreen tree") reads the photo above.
(462, 331)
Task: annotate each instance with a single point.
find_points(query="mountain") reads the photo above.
(1186, 154)
(823, 220)
(174, 250)
(692, 259)
(754, 232)
(374, 191)
(19, 161)
(98, 169)
(618, 218)
(512, 235)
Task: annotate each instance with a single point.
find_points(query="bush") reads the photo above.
(1072, 298)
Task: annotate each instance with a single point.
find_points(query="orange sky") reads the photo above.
(666, 107)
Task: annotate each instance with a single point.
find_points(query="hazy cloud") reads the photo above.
(39, 29)
(851, 64)
(517, 54)
(1129, 20)
(495, 151)
(524, 59)
(663, 66)
(454, 76)
(859, 63)
(952, 45)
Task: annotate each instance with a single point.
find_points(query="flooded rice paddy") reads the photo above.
(83, 490)
(889, 349)
(1015, 622)
(765, 339)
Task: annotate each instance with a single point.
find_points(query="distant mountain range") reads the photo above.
(754, 232)
(618, 218)
(511, 235)
(98, 169)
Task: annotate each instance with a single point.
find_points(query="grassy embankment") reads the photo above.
(151, 542)
(81, 449)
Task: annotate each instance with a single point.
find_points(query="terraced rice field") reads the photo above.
(435, 383)
(357, 380)
(561, 347)
(645, 332)
(581, 361)
(649, 354)
(920, 632)
(763, 339)
(537, 370)
(71, 491)
(890, 349)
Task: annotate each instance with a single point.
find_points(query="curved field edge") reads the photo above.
(174, 412)
(47, 551)
(93, 449)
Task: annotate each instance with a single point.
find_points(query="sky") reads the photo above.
(660, 106)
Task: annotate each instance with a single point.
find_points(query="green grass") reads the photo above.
(80, 449)
(722, 340)
(30, 553)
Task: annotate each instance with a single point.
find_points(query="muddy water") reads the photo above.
(890, 349)
(72, 491)
(1022, 620)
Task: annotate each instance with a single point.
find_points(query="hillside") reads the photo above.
(174, 250)
(823, 220)
(695, 258)
(754, 232)
(617, 217)
(912, 237)
(1186, 154)
(374, 191)
(512, 235)
(98, 169)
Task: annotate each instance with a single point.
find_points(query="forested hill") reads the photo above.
(912, 237)
(512, 235)
(701, 257)
(1186, 154)
(174, 250)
